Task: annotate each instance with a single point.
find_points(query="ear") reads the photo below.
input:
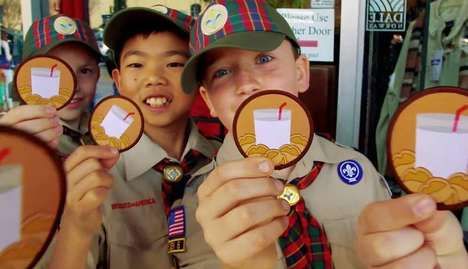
(206, 97)
(302, 73)
(116, 78)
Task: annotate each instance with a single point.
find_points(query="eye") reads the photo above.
(221, 73)
(176, 64)
(86, 71)
(263, 59)
(135, 65)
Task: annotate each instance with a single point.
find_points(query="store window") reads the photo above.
(431, 50)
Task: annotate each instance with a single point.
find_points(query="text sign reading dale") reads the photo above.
(386, 15)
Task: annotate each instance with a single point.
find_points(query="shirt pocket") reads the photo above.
(137, 239)
(341, 236)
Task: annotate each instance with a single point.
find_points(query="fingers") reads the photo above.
(380, 248)
(27, 112)
(396, 213)
(50, 135)
(443, 233)
(246, 168)
(87, 167)
(252, 242)
(99, 181)
(38, 125)
(88, 152)
(244, 218)
(235, 191)
(421, 259)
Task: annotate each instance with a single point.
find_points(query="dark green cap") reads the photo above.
(250, 25)
(49, 32)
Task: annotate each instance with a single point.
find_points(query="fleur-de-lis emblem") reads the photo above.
(349, 171)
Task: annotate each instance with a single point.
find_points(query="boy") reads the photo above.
(77, 47)
(123, 217)
(242, 47)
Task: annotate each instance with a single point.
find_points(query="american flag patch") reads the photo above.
(176, 222)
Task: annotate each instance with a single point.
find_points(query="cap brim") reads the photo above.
(254, 41)
(129, 19)
(94, 50)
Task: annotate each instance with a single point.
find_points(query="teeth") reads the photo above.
(156, 101)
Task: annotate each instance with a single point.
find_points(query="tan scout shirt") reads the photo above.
(335, 204)
(66, 144)
(134, 232)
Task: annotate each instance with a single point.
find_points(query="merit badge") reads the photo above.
(65, 25)
(176, 230)
(173, 173)
(428, 145)
(290, 194)
(350, 172)
(214, 19)
(45, 80)
(275, 125)
(117, 122)
(32, 197)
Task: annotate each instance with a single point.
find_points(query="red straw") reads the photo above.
(4, 153)
(52, 69)
(128, 115)
(280, 112)
(457, 117)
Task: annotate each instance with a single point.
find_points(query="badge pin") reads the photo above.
(350, 172)
(65, 25)
(173, 173)
(290, 194)
(214, 19)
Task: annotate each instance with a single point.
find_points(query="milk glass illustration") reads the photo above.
(117, 121)
(272, 128)
(45, 82)
(10, 204)
(439, 148)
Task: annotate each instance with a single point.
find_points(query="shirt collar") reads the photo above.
(149, 153)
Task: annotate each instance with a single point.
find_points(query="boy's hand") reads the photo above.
(240, 214)
(410, 233)
(88, 182)
(41, 121)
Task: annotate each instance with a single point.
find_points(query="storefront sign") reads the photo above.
(314, 30)
(322, 3)
(386, 15)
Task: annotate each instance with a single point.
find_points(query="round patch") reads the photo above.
(160, 8)
(32, 197)
(214, 19)
(273, 124)
(45, 80)
(428, 145)
(117, 122)
(350, 172)
(65, 25)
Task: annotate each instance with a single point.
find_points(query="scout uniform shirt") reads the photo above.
(70, 139)
(134, 233)
(330, 199)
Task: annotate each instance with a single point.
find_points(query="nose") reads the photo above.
(155, 76)
(246, 82)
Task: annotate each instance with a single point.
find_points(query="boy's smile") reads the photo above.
(230, 75)
(149, 74)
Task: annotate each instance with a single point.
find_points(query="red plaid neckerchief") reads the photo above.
(304, 243)
(172, 191)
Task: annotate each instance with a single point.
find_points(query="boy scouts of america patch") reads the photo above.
(214, 19)
(176, 230)
(350, 172)
(65, 25)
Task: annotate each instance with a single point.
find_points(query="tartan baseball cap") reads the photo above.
(130, 21)
(243, 24)
(51, 31)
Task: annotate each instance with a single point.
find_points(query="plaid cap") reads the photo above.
(128, 22)
(244, 24)
(49, 32)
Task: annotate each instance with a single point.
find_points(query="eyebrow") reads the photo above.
(168, 53)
